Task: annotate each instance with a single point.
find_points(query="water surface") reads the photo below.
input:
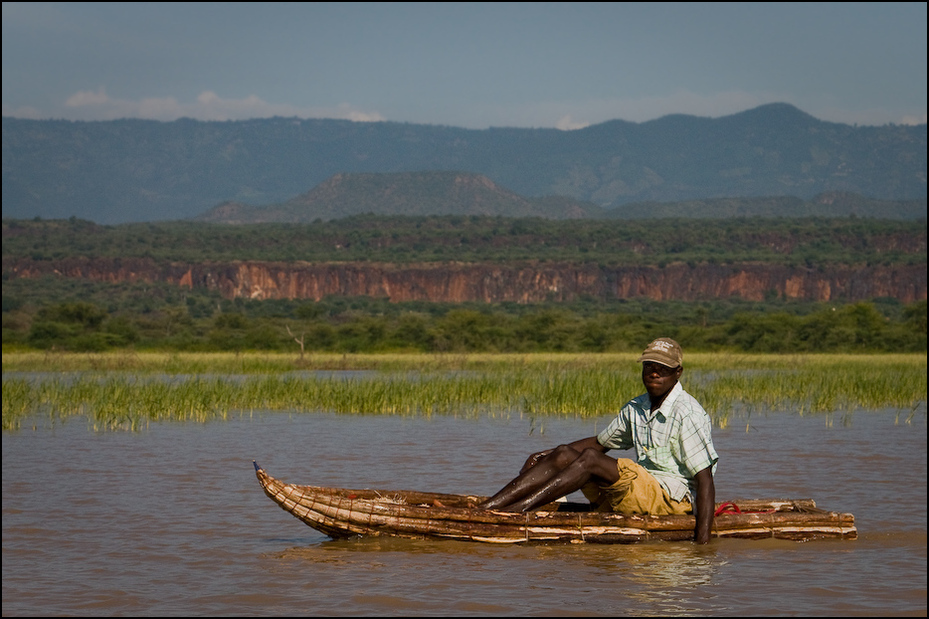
(171, 521)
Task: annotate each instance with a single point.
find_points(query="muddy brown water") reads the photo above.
(170, 521)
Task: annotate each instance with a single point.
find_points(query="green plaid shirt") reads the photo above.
(674, 443)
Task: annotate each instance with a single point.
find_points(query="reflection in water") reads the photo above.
(656, 578)
(171, 521)
(681, 565)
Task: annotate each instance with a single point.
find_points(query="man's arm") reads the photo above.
(705, 505)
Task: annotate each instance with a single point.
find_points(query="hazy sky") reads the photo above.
(466, 65)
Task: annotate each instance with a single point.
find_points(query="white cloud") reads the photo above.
(24, 111)
(914, 119)
(564, 115)
(89, 105)
(566, 123)
(85, 97)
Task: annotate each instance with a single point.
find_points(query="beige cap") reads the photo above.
(665, 351)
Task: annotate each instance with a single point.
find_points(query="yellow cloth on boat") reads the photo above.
(636, 492)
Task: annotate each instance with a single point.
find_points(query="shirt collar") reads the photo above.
(667, 404)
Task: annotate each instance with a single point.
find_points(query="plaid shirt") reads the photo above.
(674, 443)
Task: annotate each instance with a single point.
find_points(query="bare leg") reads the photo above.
(561, 472)
(532, 478)
(590, 465)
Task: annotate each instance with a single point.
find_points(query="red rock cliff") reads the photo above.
(524, 283)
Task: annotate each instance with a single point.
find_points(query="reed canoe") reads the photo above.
(341, 512)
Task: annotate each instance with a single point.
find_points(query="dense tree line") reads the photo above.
(811, 242)
(62, 313)
(92, 317)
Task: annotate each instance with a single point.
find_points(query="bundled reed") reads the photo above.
(340, 512)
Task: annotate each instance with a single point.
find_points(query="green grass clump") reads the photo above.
(130, 391)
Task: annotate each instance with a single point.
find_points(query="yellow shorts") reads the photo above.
(636, 492)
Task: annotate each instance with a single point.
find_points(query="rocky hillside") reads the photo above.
(403, 193)
(491, 283)
(457, 259)
(462, 194)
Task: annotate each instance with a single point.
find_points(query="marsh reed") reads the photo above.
(129, 391)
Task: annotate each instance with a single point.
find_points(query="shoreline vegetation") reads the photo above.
(128, 389)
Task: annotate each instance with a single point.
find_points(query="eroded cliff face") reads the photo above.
(523, 283)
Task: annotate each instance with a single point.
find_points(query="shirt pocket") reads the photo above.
(661, 458)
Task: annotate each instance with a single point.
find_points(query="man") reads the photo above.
(675, 458)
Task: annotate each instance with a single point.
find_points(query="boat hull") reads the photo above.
(342, 512)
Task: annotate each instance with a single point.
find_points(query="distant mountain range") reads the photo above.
(776, 155)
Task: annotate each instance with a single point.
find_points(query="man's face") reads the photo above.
(659, 379)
